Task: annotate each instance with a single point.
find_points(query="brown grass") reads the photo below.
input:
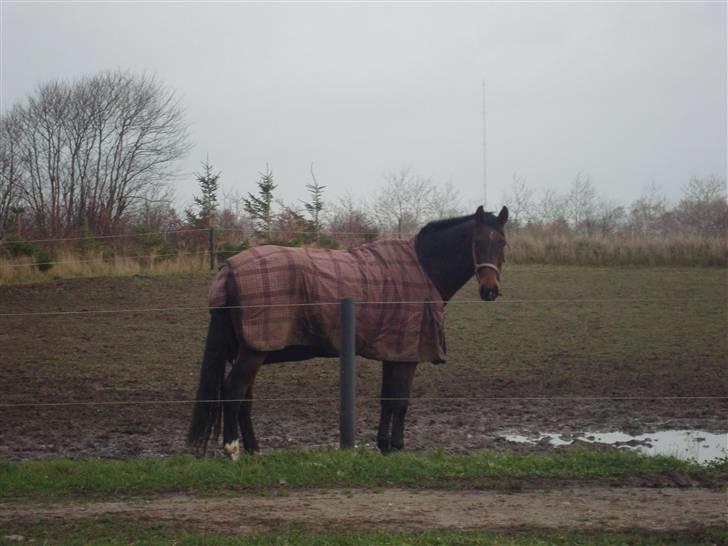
(523, 249)
(70, 264)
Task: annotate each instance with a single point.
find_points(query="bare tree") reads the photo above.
(551, 207)
(703, 208)
(404, 202)
(521, 201)
(607, 220)
(445, 202)
(9, 174)
(349, 221)
(647, 213)
(92, 151)
(580, 205)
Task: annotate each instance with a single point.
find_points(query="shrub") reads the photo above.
(42, 260)
(231, 249)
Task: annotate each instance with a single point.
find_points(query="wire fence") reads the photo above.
(110, 259)
(245, 233)
(168, 249)
(576, 301)
(361, 399)
(542, 355)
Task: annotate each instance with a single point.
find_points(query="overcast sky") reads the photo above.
(628, 93)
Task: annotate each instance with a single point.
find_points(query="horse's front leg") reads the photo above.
(237, 385)
(396, 386)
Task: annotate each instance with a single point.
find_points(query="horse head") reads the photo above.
(489, 243)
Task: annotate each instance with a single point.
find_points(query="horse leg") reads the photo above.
(396, 386)
(246, 423)
(237, 383)
(385, 417)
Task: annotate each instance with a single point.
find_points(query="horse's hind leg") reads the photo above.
(246, 423)
(238, 382)
(397, 380)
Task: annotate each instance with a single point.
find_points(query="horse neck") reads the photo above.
(447, 257)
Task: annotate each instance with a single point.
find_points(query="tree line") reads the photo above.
(96, 156)
(701, 212)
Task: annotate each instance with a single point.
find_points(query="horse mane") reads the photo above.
(446, 223)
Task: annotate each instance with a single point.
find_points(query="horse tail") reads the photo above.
(220, 347)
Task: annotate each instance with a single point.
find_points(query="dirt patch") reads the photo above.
(633, 362)
(397, 510)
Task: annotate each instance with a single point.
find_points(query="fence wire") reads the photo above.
(176, 231)
(365, 399)
(117, 236)
(504, 399)
(109, 260)
(674, 301)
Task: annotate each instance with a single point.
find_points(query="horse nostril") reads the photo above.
(488, 294)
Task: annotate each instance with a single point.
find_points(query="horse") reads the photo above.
(267, 305)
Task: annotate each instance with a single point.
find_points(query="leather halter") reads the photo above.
(478, 267)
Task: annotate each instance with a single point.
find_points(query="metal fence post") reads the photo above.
(213, 254)
(347, 422)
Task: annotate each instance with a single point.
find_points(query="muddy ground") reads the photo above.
(610, 349)
(395, 510)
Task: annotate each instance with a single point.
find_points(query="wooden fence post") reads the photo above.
(347, 421)
(213, 253)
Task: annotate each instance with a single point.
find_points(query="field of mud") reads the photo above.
(566, 350)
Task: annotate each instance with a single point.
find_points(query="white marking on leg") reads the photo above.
(233, 450)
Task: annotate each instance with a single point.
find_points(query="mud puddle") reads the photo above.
(695, 445)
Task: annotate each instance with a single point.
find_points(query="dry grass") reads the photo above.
(523, 249)
(69, 264)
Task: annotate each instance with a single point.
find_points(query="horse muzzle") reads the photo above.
(488, 293)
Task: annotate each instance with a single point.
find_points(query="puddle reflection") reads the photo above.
(696, 445)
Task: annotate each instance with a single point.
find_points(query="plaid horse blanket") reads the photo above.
(399, 313)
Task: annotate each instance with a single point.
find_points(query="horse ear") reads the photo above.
(480, 215)
(503, 216)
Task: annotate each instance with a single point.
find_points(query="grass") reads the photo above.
(525, 249)
(70, 264)
(118, 531)
(99, 261)
(285, 469)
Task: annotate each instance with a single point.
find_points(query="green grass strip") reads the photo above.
(119, 532)
(324, 469)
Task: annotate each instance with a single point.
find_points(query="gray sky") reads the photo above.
(628, 93)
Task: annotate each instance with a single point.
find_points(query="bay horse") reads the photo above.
(266, 306)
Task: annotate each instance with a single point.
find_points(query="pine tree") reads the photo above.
(260, 208)
(316, 205)
(206, 204)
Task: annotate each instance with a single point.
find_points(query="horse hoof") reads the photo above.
(232, 450)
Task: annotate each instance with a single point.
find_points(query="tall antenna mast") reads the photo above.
(485, 171)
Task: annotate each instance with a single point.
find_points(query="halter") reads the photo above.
(489, 266)
(481, 265)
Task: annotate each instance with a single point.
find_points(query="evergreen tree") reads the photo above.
(260, 207)
(316, 205)
(206, 204)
